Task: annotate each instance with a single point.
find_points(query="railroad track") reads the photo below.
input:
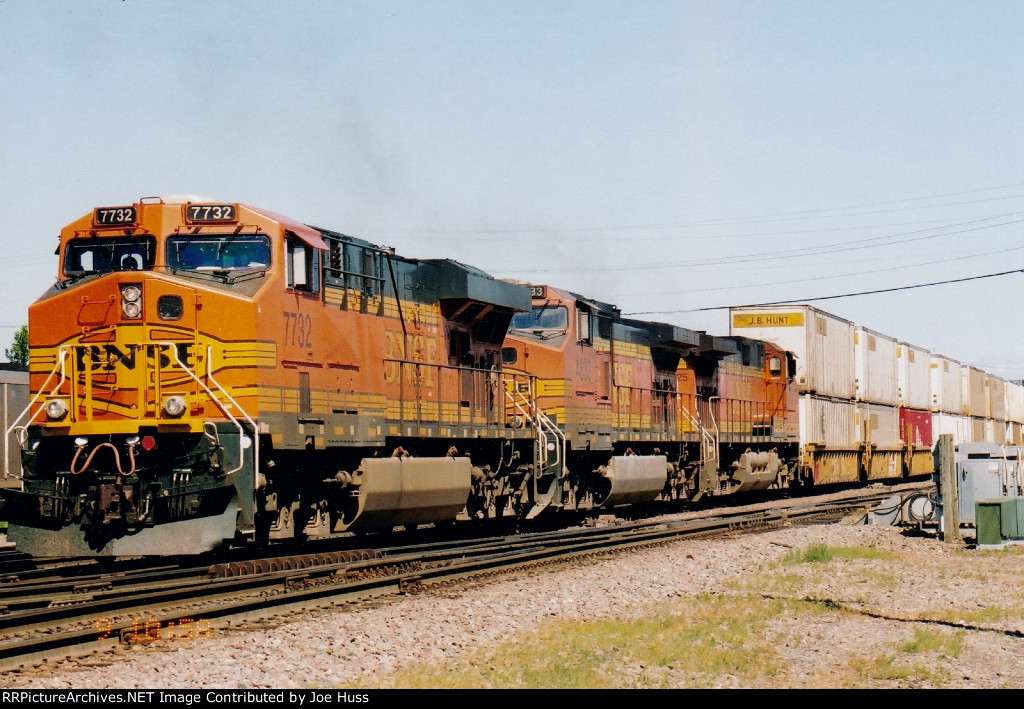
(44, 618)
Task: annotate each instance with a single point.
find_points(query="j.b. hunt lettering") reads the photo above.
(767, 319)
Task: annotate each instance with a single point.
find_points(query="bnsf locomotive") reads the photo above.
(202, 373)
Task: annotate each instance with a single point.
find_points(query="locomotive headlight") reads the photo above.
(56, 408)
(174, 405)
(131, 301)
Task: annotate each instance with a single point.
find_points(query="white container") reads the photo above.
(974, 392)
(913, 376)
(875, 366)
(1013, 433)
(1014, 402)
(822, 343)
(953, 424)
(996, 398)
(947, 388)
(878, 423)
(827, 422)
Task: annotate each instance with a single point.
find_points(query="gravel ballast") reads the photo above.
(880, 603)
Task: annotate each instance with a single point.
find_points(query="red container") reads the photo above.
(919, 425)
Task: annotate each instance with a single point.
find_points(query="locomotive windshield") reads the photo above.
(221, 252)
(85, 256)
(541, 318)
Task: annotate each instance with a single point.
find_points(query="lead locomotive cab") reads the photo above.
(140, 435)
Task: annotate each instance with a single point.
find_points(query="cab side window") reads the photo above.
(583, 326)
(303, 266)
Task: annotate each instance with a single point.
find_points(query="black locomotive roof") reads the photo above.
(457, 281)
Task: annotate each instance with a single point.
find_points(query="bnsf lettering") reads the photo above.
(420, 350)
(110, 357)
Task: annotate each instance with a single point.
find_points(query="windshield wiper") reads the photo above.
(75, 276)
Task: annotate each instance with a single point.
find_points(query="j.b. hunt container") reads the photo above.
(822, 343)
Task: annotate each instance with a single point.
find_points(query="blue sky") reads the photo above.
(662, 155)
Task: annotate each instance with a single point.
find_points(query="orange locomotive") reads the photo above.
(650, 410)
(206, 372)
(203, 373)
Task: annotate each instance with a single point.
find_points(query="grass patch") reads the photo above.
(823, 553)
(889, 669)
(949, 645)
(988, 615)
(691, 645)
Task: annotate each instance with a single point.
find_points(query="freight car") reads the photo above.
(872, 406)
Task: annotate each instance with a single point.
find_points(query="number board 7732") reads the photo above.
(205, 213)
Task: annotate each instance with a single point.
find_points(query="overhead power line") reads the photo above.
(832, 297)
(856, 245)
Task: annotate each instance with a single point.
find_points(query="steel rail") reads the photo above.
(273, 593)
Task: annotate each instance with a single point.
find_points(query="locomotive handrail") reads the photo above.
(218, 402)
(544, 426)
(488, 410)
(61, 356)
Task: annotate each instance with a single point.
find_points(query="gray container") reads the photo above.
(825, 421)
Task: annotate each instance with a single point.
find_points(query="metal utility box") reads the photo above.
(999, 521)
(986, 472)
(988, 518)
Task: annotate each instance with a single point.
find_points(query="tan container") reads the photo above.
(879, 424)
(996, 398)
(974, 389)
(822, 343)
(980, 430)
